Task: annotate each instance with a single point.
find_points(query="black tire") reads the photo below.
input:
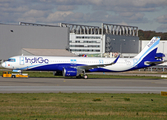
(79, 76)
(13, 76)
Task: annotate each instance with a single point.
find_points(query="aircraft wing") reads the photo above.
(99, 65)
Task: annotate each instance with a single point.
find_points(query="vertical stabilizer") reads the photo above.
(150, 49)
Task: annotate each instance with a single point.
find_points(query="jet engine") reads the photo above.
(71, 72)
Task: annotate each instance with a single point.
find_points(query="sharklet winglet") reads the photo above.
(116, 59)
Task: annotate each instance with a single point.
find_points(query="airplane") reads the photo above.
(75, 66)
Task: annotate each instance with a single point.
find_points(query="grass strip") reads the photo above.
(81, 106)
(45, 74)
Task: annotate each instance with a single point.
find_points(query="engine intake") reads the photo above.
(70, 72)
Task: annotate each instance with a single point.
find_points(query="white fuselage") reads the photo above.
(57, 63)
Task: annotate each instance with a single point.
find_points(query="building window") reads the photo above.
(87, 37)
(83, 50)
(85, 46)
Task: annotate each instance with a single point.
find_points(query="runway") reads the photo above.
(55, 85)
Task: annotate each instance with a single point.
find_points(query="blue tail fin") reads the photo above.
(150, 49)
(148, 53)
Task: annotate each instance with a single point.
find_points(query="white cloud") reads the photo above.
(162, 19)
(66, 7)
(162, 28)
(34, 13)
(58, 16)
(126, 14)
(128, 5)
(83, 11)
(142, 3)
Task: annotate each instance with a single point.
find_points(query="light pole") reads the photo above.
(121, 45)
(120, 48)
(102, 41)
(163, 46)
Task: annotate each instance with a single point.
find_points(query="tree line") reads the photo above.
(147, 35)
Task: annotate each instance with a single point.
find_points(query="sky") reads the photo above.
(145, 14)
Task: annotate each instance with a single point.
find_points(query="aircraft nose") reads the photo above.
(3, 64)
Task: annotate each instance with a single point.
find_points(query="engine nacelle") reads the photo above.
(70, 72)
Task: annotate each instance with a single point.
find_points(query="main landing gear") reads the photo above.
(85, 76)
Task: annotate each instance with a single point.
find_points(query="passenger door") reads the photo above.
(21, 60)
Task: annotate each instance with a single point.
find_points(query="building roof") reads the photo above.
(47, 52)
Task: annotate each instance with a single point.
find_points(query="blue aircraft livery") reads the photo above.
(36, 60)
(75, 66)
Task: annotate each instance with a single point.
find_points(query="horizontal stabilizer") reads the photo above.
(159, 55)
(155, 62)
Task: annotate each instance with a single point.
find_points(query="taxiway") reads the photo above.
(55, 85)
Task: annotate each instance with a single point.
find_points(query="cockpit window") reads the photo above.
(11, 60)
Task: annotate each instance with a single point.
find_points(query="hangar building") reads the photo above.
(109, 38)
(78, 39)
(15, 37)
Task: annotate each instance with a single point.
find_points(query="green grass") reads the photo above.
(90, 76)
(81, 106)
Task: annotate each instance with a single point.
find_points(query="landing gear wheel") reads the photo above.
(79, 76)
(85, 77)
(13, 76)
